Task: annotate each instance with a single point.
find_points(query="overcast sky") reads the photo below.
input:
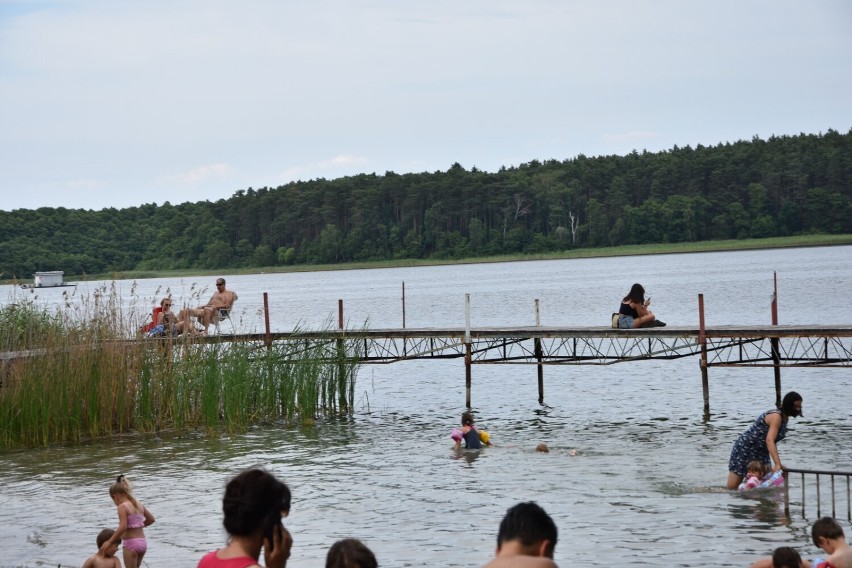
(119, 103)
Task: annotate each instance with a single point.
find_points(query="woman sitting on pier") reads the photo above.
(634, 310)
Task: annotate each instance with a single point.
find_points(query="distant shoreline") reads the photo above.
(600, 252)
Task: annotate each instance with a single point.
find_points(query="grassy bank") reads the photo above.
(85, 382)
(627, 250)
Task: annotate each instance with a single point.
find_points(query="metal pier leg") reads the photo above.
(467, 361)
(702, 340)
(538, 357)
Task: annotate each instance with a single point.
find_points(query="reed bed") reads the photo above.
(86, 379)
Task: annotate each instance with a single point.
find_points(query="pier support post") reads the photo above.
(267, 338)
(341, 367)
(538, 356)
(773, 342)
(702, 341)
(468, 357)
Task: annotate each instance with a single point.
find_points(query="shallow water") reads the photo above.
(644, 486)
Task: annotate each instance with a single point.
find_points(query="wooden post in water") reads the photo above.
(268, 338)
(773, 342)
(404, 343)
(341, 366)
(539, 356)
(702, 341)
(468, 358)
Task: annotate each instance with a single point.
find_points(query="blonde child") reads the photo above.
(104, 558)
(757, 470)
(132, 516)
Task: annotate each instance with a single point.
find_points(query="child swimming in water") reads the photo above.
(754, 475)
(473, 438)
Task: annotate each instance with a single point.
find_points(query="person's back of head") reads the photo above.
(104, 536)
(636, 294)
(826, 528)
(467, 419)
(254, 499)
(350, 553)
(786, 557)
(529, 525)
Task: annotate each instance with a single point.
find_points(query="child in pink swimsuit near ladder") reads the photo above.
(132, 516)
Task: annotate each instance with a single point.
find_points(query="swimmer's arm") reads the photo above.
(765, 562)
(119, 531)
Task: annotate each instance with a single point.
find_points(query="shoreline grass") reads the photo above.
(815, 240)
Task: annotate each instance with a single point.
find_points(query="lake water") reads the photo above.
(643, 488)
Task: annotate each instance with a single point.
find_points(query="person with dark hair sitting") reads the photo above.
(526, 539)
(254, 504)
(633, 310)
(350, 553)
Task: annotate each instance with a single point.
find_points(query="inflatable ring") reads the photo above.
(774, 480)
(484, 436)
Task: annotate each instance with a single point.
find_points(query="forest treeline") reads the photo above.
(785, 185)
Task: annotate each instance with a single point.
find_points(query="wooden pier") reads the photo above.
(774, 346)
(724, 346)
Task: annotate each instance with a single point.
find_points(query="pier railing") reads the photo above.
(814, 483)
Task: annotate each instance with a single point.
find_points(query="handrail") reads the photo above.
(817, 473)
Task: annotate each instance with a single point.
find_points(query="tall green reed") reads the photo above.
(89, 380)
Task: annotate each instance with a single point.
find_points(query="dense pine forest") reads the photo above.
(787, 185)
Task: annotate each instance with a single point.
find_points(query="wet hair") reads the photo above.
(786, 557)
(757, 466)
(787, 407)
(826, 528)
(122, 487)
(467, 419)
(220, 281)
(636, 294)
(350, 553)
(529, 524)
(104, 536)
(250, 499)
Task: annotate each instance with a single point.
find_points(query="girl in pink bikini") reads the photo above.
(132, 516)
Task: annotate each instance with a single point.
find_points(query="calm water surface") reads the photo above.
(644, 487)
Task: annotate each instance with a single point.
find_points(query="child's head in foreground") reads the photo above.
(104, 536)
(350, 553)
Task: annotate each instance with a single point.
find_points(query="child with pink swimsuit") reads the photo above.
(132, 517)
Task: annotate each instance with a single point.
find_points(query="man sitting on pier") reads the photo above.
(214, 311)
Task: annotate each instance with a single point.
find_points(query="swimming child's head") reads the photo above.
(786, 557)
(104, 536)
(467, 419)
(542, 447)
(756, 468)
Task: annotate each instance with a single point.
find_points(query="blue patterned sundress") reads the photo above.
(751, 445)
